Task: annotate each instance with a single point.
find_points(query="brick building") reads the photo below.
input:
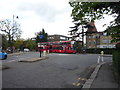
(97, 39)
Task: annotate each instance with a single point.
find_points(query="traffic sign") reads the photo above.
(41, 36)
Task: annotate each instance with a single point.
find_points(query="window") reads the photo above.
(94, 36)
(94, 43)
(104, 34)
(40, 47)
(69, 48)
(60, 48)
(109, 41)
(89, 43)
(109, 46)
(104, 41)
(88, 36)
(104, 46)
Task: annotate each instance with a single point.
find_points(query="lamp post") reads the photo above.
(13, 28)
(14, 20)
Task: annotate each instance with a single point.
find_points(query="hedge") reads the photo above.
(98, 50)
(116, 60)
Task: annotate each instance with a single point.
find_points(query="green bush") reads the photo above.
(116, 60)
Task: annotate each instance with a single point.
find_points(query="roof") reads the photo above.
(92, 27)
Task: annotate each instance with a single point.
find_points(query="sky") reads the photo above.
(52, 15)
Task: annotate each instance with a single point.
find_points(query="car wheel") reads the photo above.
(5, 57)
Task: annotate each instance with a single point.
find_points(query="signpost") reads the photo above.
(41, 36)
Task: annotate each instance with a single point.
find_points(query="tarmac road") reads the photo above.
(59, 71)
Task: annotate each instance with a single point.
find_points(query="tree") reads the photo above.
(12, 30)
(84, 12)
(44, 39)
(18, 43)
(31, 44)
(78, 46)
(4, 41)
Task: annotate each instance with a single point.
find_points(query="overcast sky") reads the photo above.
(52, 15)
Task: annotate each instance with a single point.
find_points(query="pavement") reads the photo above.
(102, 77)
(18, 53)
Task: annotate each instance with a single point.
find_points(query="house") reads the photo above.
(95, 39)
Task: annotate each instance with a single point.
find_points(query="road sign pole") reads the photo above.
(40, 51)
(41, 36)
(40, 47)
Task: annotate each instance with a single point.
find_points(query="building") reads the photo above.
(96, 39)
(99, 40)
(93, 40)
(105, 42)
(57, 37)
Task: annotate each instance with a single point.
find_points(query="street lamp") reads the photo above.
(13, 28)
(14, 20)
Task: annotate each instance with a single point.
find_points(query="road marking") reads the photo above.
(83, 79)
(78, 84)
(74, 84)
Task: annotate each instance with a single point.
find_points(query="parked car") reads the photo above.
(3, 55)
(26, 50)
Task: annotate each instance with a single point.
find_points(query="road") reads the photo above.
(59, 71)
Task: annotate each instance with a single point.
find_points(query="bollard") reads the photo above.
(102, 53)
(100, 57)
(44, 53)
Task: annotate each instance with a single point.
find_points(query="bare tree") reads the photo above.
(11, 29)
